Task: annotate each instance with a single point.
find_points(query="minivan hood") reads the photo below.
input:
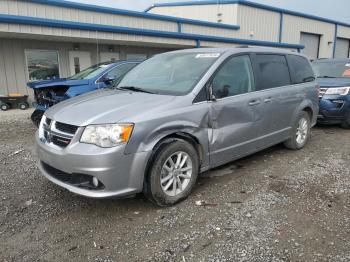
(57, 82)
(334, 82)
(105, 106)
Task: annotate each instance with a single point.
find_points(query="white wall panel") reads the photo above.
(83, 35)
(216, 44)
(207, 13)
(3, 75)
(293, 26)
(343, 32)
(210, 31)
(262, 23)
(15, 7)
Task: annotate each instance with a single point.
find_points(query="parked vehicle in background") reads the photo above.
(333, 75)
(174, 116)
(14, 100)
(50, 92)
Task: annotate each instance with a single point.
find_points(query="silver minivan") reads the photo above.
(175, 116)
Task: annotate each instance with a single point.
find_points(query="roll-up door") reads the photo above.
(311, 43)
(342, 48)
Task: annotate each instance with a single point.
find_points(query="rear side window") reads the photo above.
(300, 69)
(272, 71)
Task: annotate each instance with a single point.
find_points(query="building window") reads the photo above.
(42, 65)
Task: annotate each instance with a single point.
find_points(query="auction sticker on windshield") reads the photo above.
(208, 55)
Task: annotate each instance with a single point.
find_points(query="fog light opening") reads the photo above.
(95, 182)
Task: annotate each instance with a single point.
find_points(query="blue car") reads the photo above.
(50, 92)
(333, 76)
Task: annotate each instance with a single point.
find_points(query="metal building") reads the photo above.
(41, 39)
(322, 38)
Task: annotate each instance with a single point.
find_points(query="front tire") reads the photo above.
(300, 133)
(36, 117)
(346, 123)
(172, 174)
(5, 107)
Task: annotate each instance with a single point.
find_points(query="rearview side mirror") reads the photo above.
(210, 91)
(108, 79)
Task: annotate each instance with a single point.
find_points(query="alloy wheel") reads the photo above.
(302, 131)
(176, 173)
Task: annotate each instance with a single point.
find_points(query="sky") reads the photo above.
(333, 9)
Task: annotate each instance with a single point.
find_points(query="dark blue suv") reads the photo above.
(333, 76)
(50, 92)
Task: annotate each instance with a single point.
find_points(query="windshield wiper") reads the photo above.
(326, 77)
(135, 89)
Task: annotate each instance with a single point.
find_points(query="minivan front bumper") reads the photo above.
(120, 174)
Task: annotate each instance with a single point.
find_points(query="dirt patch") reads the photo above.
(277, 205)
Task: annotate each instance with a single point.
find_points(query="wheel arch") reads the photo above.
(309, 110)
(308, 107)
(170, 138)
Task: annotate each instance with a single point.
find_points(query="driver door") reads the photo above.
(235, 113)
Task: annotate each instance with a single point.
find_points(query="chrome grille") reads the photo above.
(66, 128)
(58, 134)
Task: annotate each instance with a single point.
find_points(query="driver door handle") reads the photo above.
(268, 100)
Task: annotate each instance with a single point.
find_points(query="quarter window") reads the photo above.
(273, 71)
(235, 77)
(300, 69)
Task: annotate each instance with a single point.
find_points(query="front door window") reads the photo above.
(234, 78)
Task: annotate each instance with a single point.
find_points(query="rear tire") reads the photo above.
(23, 106)
(5, 107)
(300, 133)
(36, 117)
(172, 173)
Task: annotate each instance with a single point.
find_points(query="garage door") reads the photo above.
(311, 43)
(342, 48)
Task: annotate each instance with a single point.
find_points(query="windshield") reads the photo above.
(169, 73)
(90, 72)
(332, 69)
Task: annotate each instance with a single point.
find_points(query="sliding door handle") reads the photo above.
(254, 102)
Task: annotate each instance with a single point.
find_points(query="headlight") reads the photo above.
(107, 135)
(41, 127)
(343, 91)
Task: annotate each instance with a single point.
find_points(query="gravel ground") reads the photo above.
(277, 205)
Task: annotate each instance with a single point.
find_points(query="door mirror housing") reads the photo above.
(108, 79)
(212, 97)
